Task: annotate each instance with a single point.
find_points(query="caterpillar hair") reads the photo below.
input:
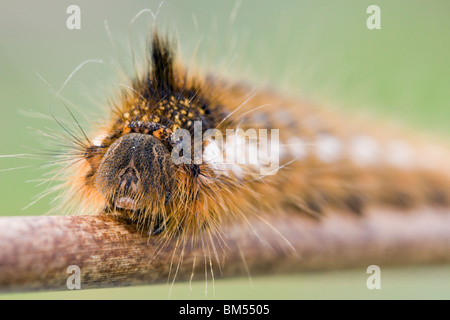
(183, 155)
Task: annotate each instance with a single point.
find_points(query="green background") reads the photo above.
(316, 50)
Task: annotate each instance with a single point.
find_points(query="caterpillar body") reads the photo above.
(324, 160)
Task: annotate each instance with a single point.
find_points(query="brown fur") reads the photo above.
(196, 200)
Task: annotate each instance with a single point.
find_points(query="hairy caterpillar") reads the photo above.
(339, 163)
(327, 161)
(301, 47)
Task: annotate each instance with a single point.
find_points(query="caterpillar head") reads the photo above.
(128, 167)
(135, 173)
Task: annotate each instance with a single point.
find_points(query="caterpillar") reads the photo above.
(326, 160)
(306, 159)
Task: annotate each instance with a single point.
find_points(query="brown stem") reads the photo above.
(35, 252)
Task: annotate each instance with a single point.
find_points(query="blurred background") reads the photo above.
(321, 51)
